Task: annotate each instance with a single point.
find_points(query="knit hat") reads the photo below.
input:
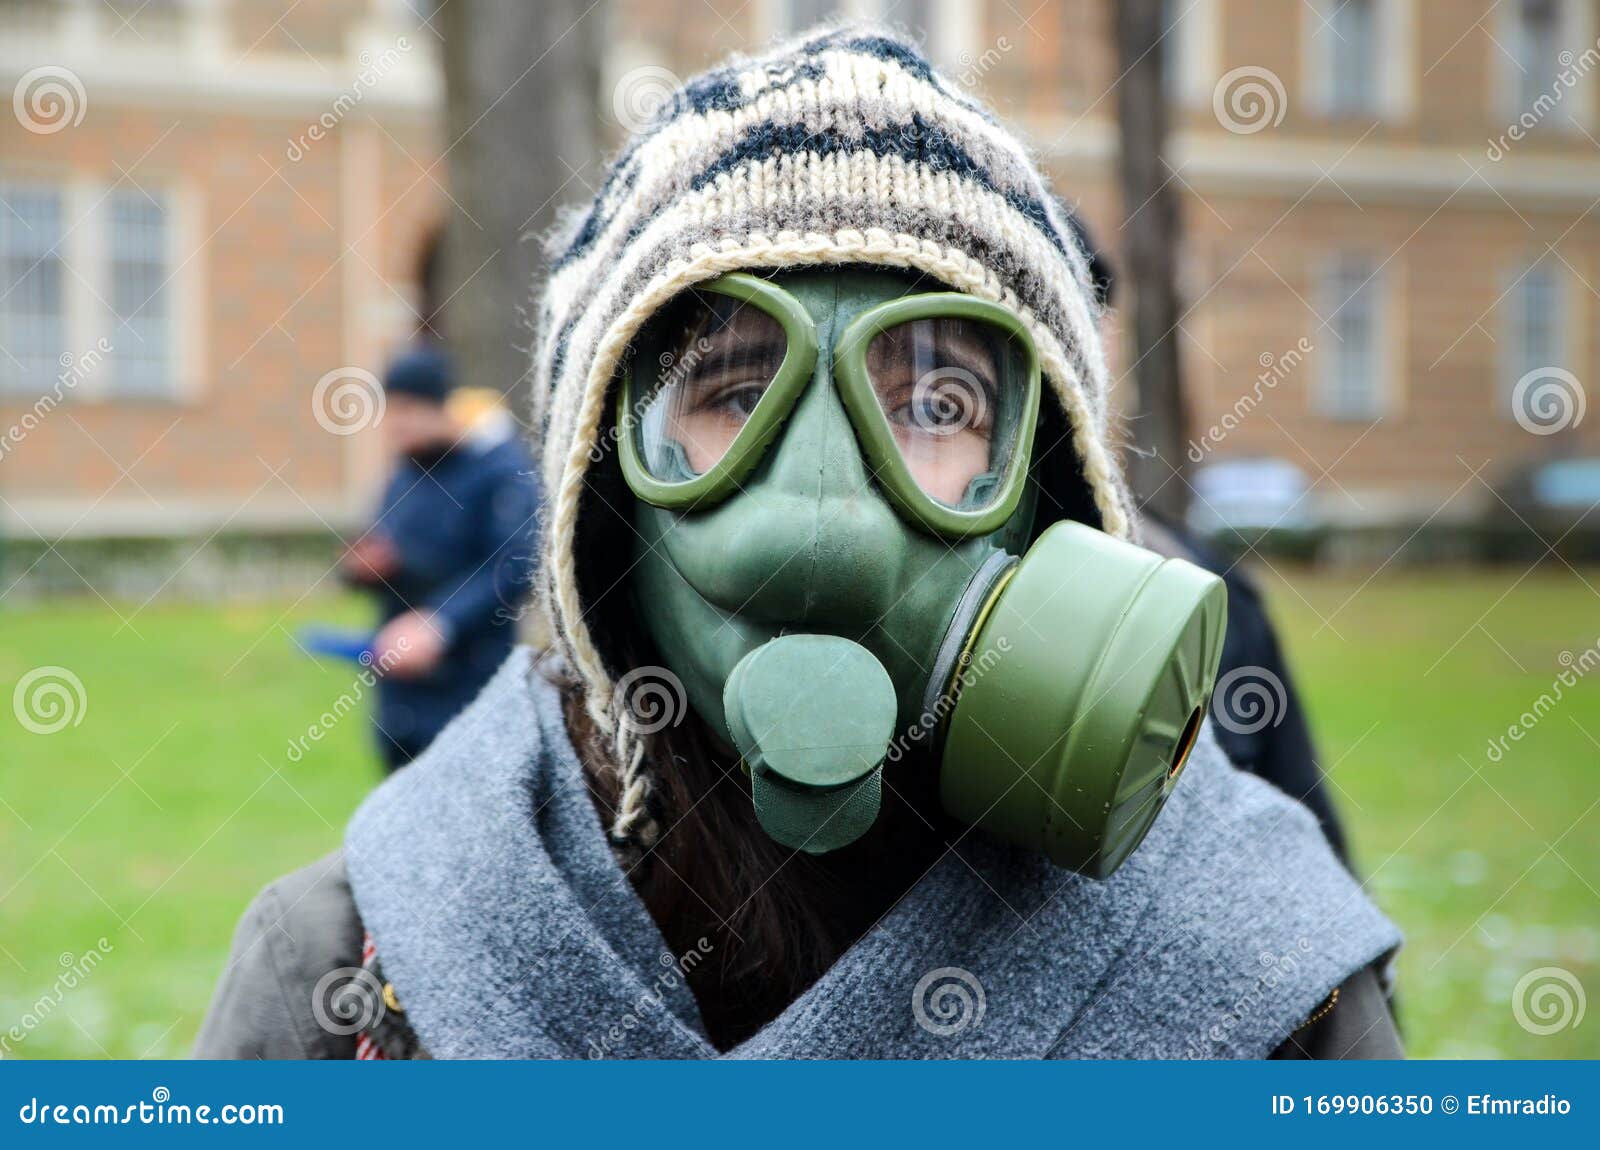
(422, 371)
(840, 147)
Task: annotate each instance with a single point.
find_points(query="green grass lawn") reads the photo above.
(151, 822)
(1492, 869)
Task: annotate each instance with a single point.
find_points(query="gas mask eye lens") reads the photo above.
(707, 361)
(953, 391)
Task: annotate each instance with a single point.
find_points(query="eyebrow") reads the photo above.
(721, 358)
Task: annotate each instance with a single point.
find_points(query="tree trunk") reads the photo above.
(522, 85)
(1160, 467)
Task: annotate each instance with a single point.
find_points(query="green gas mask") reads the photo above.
(832, 475)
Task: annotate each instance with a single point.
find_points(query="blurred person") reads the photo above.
(864, 730)
(448, 557)
(1279, 750)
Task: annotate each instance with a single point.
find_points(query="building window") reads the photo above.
(1351, 41)
(33, 303)
(1534, 330)
(1352, 380)
(140, 300)
(1536, 34)
(109, 275)
(1359, 57)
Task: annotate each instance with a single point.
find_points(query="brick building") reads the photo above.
(207, 206)
(1389, 208)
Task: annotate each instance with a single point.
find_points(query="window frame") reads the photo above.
(1394, 65)
(89, 321)
(14, 384)
(1514, 360)
(1331, 395)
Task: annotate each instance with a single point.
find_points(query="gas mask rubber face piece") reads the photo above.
(832, 477)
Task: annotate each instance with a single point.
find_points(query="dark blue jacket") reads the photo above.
(465, 524)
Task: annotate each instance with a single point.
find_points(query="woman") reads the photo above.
(814, 765)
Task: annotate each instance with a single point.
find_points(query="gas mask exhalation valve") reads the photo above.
(831, 470)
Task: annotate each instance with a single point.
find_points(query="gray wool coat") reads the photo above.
(506, 929)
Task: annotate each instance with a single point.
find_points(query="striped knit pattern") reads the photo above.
(368, 1050)
(841, 147)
